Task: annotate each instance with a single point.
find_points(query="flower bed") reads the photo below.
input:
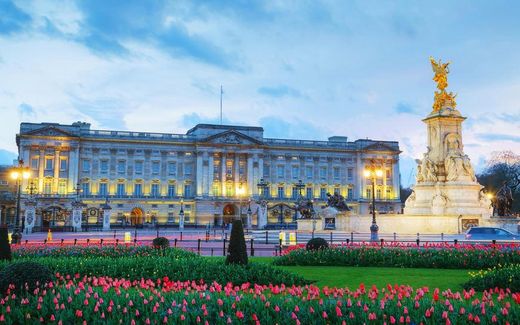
(106, 300)
(89, 251)
(502, 277)
(427, 256)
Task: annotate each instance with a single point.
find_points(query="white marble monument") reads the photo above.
(445, 180)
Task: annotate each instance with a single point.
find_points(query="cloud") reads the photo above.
(26, 111)
(497, 137)
(404, 108)
(276, 127)
(279, 91)
(12, 18)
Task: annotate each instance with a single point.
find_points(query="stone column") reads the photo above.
(73, 173)
(236, 175)
(210, 175)
(359, 178)
(199, 175)
(41, 168)
(30, 215)
(223, 173)
(250, 184)
(56, 175)
(260, 174)
(77, 209)
(383, 191)
(395, 177)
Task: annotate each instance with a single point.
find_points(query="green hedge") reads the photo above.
(175, 269)
(442, 258)
(501, 277)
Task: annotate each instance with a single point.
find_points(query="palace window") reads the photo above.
(267, 170)
(103, 189)
(154, 190)
(49, 163)
(323, 193)
(85, 165)
(172, 169)
(34, 163)
(280, 192)
(62, 187)
(335, 171)
(388, 193)
(155, 167)
(336, 190)
(308, 193)
(187, 190)
(388, 173)
(349, 194)
(103, 166)
(171, 190)
(121, 166)
(280, 171)
(378, 193)
(138, 189)
(295, 171)
(63, 164)
(138, 167)
(294, 193)
(47, 187)
(350, 173)
(85, 188)
(121, 191)
(215, 190)
(369, 193)
(309, 171)
(323, 172)
(188, 169)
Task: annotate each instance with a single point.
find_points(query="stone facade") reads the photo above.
(212, 171)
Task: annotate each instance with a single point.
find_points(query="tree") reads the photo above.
(237, 253)
(503, 168)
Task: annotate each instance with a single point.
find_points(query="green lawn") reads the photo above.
(352, 276)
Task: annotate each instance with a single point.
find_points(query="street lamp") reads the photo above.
(372, 173)
(19, 173)
(181, 216)
(313, 215)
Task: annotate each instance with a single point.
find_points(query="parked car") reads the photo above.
(490, 233)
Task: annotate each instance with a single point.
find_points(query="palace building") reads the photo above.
(213, 172)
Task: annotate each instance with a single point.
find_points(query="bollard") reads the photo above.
(88, 241)
(207, 236)
(417, 241)
(224, 247)
(26, 242)
(212, 252)
(494, 241)
(352, 237)
(280, 247)
(101, 242)
(198, 246)
(455, 241)
(313, 234)
(117, 241)
(135, 235)
(114, 234)
(252, 247)
(45, 241)
(75, 241)
(442, 236)
(181, 235)
(135, 241)
(266, 237)
(395, 236)
(175, 242)
(382, 242)
(348, 241)
(331, 238)
(62, 242)
(157, 232)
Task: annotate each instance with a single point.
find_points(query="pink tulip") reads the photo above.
(324, 314)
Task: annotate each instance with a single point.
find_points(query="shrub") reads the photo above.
(161, 242)
(24, 273)
(155, 267)
(5, 247)
(316, 244)
(505, 277)
(237, 252)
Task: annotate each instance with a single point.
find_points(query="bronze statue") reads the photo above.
(337, 201)
(504, 200)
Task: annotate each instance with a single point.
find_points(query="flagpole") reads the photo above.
(221, 92)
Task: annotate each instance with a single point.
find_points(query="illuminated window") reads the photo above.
(138, 189)
(103, 189)
(34, 163)
(350, 173)
(154, 190)
(121, 191)
(49, 163)
(323, 193)
(171, 190)
(308, 193)
(280, 192)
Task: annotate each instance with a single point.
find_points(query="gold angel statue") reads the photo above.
(441, 71)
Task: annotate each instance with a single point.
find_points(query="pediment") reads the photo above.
(379, 146)
(231, 138)
(51, 131)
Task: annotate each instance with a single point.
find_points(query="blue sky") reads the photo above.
(301, 69)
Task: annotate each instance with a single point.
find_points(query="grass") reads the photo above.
(352, 276)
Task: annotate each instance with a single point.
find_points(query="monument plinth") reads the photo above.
(445, 179)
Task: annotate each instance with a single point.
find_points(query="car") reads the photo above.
(490, 233)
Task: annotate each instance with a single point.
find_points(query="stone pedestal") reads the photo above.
(77, 209)
(30, 216)
(107, 212)
(262, 214)
(310, 224)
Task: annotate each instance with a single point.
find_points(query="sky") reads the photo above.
(300, 69)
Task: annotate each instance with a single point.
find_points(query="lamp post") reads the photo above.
(181, 216)
(372, 173)
(19, 173)
(313, 214)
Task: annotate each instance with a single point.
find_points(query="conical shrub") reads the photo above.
(5, 247)
(237, 253)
